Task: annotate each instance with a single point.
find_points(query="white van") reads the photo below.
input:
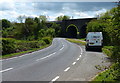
(94, 39)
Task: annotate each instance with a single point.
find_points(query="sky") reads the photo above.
(52, 8)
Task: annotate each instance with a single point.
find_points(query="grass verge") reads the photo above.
(76, 41)
(83, 39)
(23, 52)
(108, 76)
(112, 75)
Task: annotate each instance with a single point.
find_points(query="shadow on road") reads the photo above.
(94, 50)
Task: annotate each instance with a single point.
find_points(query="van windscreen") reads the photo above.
(95, 36)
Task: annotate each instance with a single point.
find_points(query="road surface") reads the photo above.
(62, 61)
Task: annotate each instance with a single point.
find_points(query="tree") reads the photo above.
(50, 32)
(37, 20)
(116, 24)
(5, 23)
(109, 24)
(43, 18)
(61, 18)
(21, 18)
(36, 30)
(57, 29)
(30, 26)
(42, 33)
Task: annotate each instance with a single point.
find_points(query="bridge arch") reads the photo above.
(72, 31)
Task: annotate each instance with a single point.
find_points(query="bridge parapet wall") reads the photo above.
(79, 23)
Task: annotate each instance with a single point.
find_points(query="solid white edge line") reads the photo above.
(73, 63)
(78, 59)
(6, 70)
(67, 69)
(57, 77)
(10, 58)
(14, 57)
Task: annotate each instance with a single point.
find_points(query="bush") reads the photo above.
(113, 73)
(47, 40)
(113, 52)
(8, 45)
(116, 54)
(27, 45)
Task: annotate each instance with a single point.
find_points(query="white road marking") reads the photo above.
(81, 49)
(16, 57)
(73, 63)
(62, 48)
(25, 54)
(80, 56)
(10, 58)
(78, 59)
(67, 69)
(46, 56)
(57, 77)
(6, 70)
(20, 56)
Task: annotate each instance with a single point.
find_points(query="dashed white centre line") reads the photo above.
(46, 56)
(62, 48)
(73, 63)
(6, 70)
(80, 56)
(67, 69)
(78, 59)
(57, 77)
(81, 50)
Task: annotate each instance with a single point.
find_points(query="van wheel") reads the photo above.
(100, 49)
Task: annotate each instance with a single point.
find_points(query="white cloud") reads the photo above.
(13, 10)
(100, 11)
(5, 5)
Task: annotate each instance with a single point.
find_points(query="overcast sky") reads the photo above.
(33, 8)
(61, 0)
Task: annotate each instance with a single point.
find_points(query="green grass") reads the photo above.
(113, 73)
(104, 76)
(83, 39)
(106, 51)
(23, 52)
(109, 75)
(77, 41)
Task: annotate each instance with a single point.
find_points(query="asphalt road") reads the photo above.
(62, 61)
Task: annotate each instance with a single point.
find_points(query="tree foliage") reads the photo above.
(43, 18)
(109, 24)
(5, 23)
(21, 18)
(57, 29)
(61, 18)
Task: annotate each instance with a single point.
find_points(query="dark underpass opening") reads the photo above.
(72, 32)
